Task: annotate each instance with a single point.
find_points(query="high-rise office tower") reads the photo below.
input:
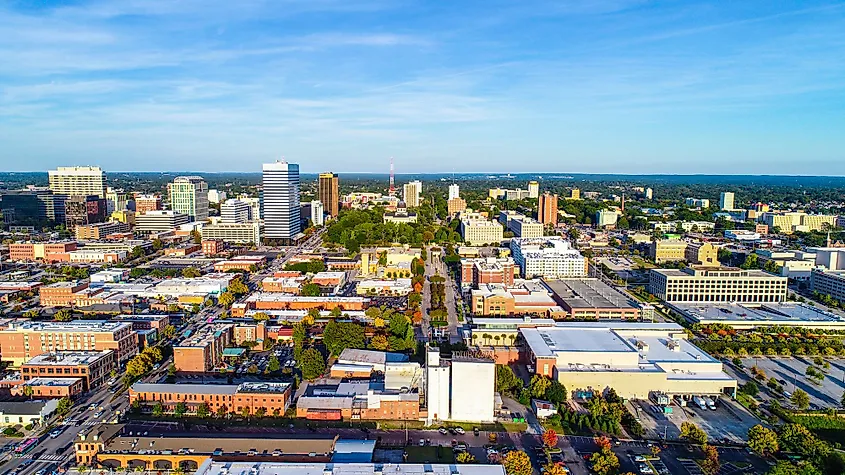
(234, 211)
(454, 191)
(726, 200)
(84, 210)
(317, 213)
(281, 200)
(533, 189)
(116, 200)
(328, 194)
(547, 209)
(575, 194)
(411, 193)
(649, 193)
(77, 181)
(189, 195)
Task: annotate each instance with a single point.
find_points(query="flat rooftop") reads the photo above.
(52, 382)
(68, 358)
(92, 326)
(271, 468)
(589, 293)
(229, 389)
(786, 313)
(354, 355)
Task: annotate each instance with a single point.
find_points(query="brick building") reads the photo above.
(273, 398)
(212, 247)
(203, 351)
(60, 294)
(92, 367)
(487, 270)
(38, 251)
(21, 341)
(50, 388)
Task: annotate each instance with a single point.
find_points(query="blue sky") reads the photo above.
(606, 86)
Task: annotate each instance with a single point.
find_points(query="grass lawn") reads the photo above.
(429, 454)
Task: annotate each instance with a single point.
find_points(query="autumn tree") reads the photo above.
(379, 342)
(63, 315)
(517, 463)
(605, 462)
(801, 399)
(465, 457)
(710, 465)
(226, 299)
(539, 384)
(550, 438)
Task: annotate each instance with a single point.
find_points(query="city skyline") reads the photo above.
(608, 87)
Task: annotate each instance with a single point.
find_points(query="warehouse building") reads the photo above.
(634, 359)
(592, 299)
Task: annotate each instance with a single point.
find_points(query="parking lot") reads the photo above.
(728, 423)
(790, 373)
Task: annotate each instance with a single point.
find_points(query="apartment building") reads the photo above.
(271, 398)
(709, 284)
(411, 193)
(328, 193)
(234, 233)
(146, 203)
(521, 225)
(547, 209)
(487, 270)
(478, 230)
(456, 205)
(93, 368)
(38, 251)
(549, 257)
(97, 231)
(22, 341)
(77, 181)
(212, 247)
(234, 211)
(60, 294)
(685, 226)
(203, 350)
(828, 282)
(789, 222)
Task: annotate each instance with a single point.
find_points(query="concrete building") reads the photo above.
(328, 193)
(831, 258)
(116, 200)
(281, 201)
(547, 209)
(394, 287)
(723, 284)
(748, 316)
(575, 194)
(92, 367)
(456, 206)
(606, 218)
(592, 299)
(697, 203)
(702, 253)
(234, 233)
(202, 351)
(77, 181)
(234, 211)
(216, 196)
(273, 398)
(487, 270)
(358, 400)
(789, 222)
(478, 230)
(411, 193)
(98, 231)
(667, 250)
(159, 221)
(726, 201)
(189, 196)
(649, 194)
(827, 282)
(454, 191)
(317, 213)
(548, 257)
(82, 210)
(22, 341)
(520, 225)
(634, 359)
(145, 203)
(533, 190)
(460, 389)
(685, 226)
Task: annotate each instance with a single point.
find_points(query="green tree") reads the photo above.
(203, 410)
(63, 406)
(260, 317)
(310, 290)
(180, 410)
(169, 331)
(693, 433)
(273, 364)
(338, 336)
(605, 462)
(226, 299)
(762, 440)
(801, 399)
(260, 412)
(750, 262)
(539, 384)
(465, 458)
(556, 393)
(312, 363)
(221, 411)
(379, 342)
(158, 410)
(506, 380)
(191, 272)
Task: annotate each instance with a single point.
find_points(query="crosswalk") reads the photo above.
(691, 466)
(45, 458)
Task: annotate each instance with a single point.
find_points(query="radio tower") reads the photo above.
(392, 187)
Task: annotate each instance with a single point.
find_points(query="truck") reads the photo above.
(681, 402)
(659, 398)
(699, 401)
(711, 404)
(667, 410)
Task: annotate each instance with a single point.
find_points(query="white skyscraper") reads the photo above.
(411, 193)
(281, 200)
(726, 200)
(317, 213)
(77, 181)
(189, 195)
(234, 211)
(533, 189)
(454, 191)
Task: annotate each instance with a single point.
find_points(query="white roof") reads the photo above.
(271, 468)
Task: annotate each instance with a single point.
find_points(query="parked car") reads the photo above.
(460, 430)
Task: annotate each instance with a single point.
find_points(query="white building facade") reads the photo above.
(281, 200)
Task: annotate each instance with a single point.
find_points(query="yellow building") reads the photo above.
(702, 253)
(666, 250)
(383, 260)
(124, 216)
